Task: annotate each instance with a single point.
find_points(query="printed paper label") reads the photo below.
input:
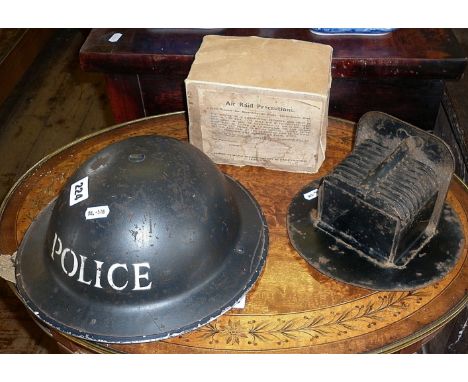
(115, 37)
(79, 191)
(240, 304)
(255, 129)
(311, 194)
(97, 212)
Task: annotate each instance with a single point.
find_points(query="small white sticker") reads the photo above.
(97, 212)
(240, 304)
(79, 191)
(115, 37)
(311, 194)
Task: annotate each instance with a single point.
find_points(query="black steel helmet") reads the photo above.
(147, 240)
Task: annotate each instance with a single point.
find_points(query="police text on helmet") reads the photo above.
(81, 263)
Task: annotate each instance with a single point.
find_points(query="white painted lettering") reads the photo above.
(139, 276)
(56, 240)
(97, 284)
(75, 262)
(80, 265)
(110, 276)
(81, 275)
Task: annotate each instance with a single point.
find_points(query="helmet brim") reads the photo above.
(74, 314)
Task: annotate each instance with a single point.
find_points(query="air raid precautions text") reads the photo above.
(249, 129)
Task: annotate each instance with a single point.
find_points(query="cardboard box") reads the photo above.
(260, 102)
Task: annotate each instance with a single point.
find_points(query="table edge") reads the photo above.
(390, 348)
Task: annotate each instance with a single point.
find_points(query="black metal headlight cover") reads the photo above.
(380, 219)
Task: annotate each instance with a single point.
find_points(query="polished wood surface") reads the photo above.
(292, 308)
(400, 73)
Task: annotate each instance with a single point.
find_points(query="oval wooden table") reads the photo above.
(292, 308)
